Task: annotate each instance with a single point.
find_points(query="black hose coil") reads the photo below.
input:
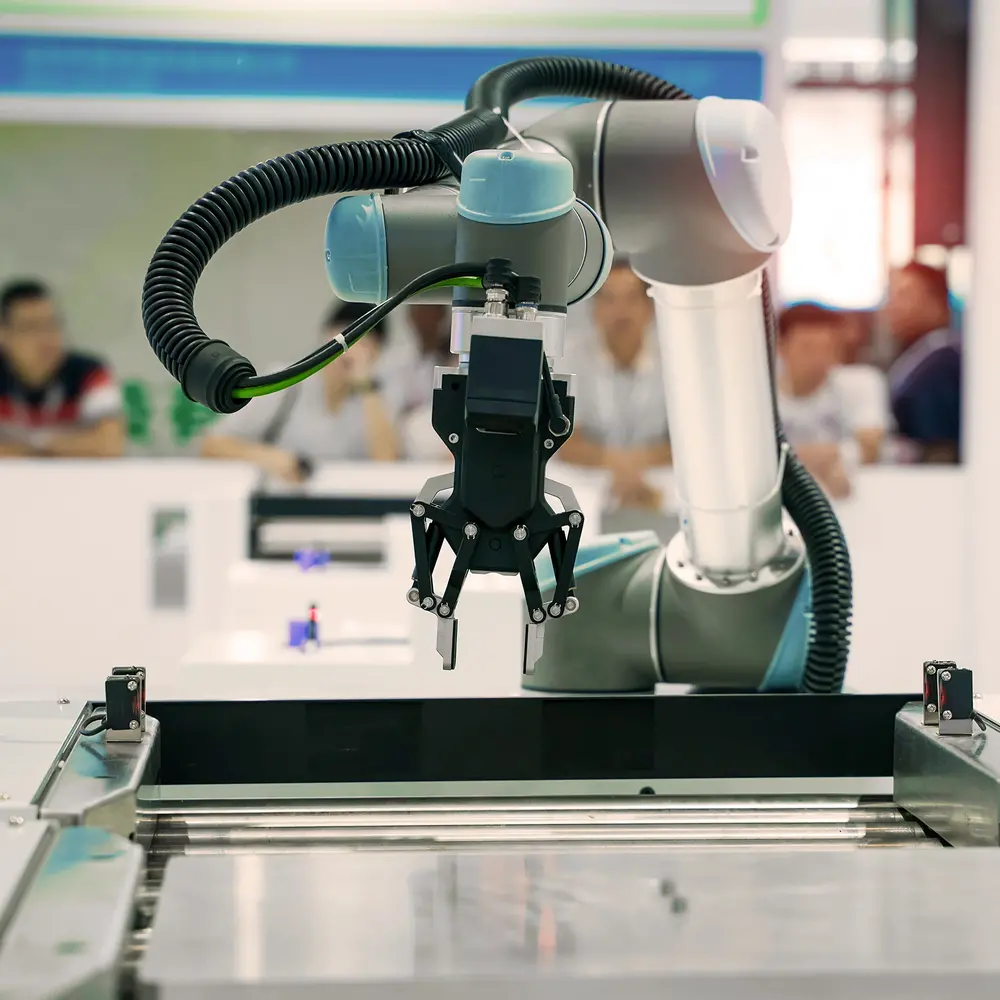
(566, 76)
(829, 557)
(209, 376)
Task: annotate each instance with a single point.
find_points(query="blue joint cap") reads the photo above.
(356, 258)
(512, 187)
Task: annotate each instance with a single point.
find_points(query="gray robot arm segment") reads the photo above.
(644, 625)
(695, 192)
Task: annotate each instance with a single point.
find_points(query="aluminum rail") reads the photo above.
(416, 823)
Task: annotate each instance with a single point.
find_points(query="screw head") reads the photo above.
(444, 610)
(520, 533)
(549, 443)
(932, 708)
(133, 724)
(63, 701)
(555, 610)
(418, 510)
(931, 669)
(16, 820)
(452, 438)
(572, 604)
(575, 519)
(427, 603)
(132, 686)
(946, 675)
(413, 595)
(946, 715)
(471, 531)
(537, 615)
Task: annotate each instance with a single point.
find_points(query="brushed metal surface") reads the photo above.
(99, 782)
(700, 926)
(950, 783)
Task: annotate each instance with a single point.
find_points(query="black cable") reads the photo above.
(829, 558)
(559, 422)
(353, 333)
(566, 76)
(209, 370)
(448, 157)
(983, 722)
(94, 724)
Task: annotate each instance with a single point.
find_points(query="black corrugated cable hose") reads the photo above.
(209, 370)
(566, 76)
(829, 557)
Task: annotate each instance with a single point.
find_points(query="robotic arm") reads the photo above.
(697, 193)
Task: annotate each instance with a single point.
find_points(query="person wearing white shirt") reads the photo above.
(409, 379)
(834, 416)
(338, 414)
(621, 412)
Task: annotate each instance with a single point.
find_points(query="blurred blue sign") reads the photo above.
(50, 65)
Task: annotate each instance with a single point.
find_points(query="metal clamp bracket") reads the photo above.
(949, 698)
(125, 705)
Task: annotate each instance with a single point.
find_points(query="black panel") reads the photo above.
(605, 738)
(364, 741)
(272, 506)
(457, 744)
(940, 121)
(528, 738)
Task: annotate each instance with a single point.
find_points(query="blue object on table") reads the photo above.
(298, 634)
(311, 558)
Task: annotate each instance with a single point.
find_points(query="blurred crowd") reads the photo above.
(840, 409)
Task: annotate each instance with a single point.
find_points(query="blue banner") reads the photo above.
(53, 65)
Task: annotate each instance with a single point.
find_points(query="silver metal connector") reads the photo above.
(496, 302)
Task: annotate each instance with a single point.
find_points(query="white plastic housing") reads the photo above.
(722, 432)
(746, 164)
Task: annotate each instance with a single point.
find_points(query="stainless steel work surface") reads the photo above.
(21, 849)
(32, 734)
(100, 781)
(950, 783)
(743, 925)
(67, 937)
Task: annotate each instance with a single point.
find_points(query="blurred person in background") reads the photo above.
(833, 419)
(53, 401)
(338, 414)
(926, 378)
(855, 338)
(621, 412)
(409, 378)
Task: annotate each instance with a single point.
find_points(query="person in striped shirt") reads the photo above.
(54, 402)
